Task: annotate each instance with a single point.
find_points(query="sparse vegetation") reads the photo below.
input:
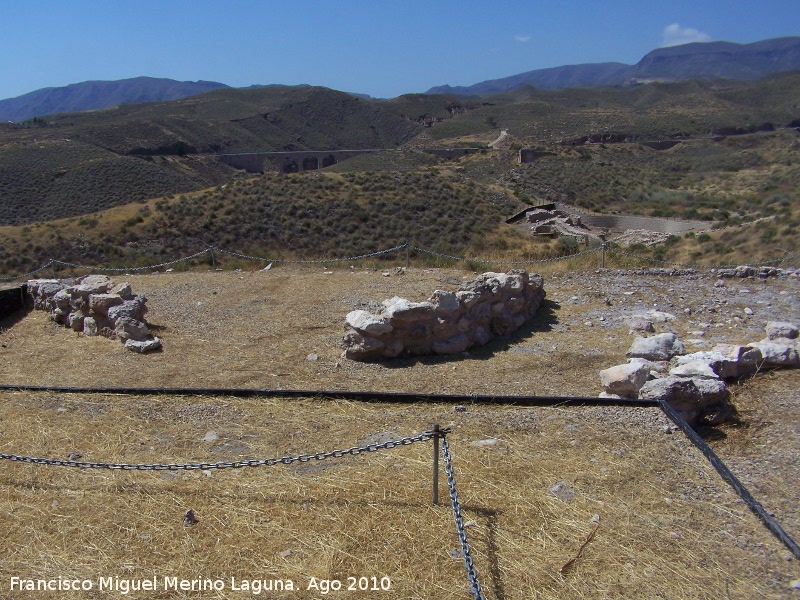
(80, 164)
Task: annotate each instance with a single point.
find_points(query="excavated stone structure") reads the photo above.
(492, 305)
(95, 305)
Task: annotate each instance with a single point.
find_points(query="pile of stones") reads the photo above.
(695, 384)
(492, 305)
(95, 305)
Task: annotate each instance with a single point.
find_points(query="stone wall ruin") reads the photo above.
(492, 305)
(695, 384)
(95, 305)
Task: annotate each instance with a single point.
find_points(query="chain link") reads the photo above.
(42, 268)
(211, 249)
(120, 269)
(312, 262)
(267, 462)
(472, 574)
(696, 266)
(506, 262)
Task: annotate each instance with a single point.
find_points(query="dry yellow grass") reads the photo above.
(668, 526)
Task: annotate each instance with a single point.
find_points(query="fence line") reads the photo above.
(266, 462)
(436, 434)
(698, 266)
(407, 246)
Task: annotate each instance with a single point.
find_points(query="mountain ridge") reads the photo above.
(698, 60)
(100, 94)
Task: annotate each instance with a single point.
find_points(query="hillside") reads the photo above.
(711, 60)
(94, 95)
(731, 158)
(720, 60)
(300, 215)
(76, 163)
(655, 111)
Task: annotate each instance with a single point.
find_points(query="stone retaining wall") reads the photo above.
(95, 305)
(492, 305)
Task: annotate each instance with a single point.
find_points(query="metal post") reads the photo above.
(436, 435)
(603, 251)
(407, 257)
(213, 260)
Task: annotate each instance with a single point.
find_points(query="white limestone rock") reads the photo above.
(444, 302)
(625, 380)
(405, 310)
(739, 361)
(90, 328)
(142, 346)
(781, 329)
(368, 323)
(780, 352)
(126, 328)
(658, 347)
(694, 368)
(359, 347)
(100, 303)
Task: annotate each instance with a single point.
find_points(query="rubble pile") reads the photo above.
(695, 384)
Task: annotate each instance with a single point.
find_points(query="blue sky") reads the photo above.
(382, 48)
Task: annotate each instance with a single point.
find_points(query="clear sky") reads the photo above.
(383, 48)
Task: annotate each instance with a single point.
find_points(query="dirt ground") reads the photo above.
(535, 483)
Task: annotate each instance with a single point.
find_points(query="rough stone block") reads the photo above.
(658, 347)
(625, 380)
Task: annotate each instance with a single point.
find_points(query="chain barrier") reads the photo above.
(696, 266)
(506, 262)
(42, 268)
(311, 262)
(466, 552)
(120, 269)
(439, 434)
(267, 462)
(212, 249)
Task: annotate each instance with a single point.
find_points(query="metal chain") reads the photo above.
(267, 462)
(54, 261)
(42, 268)
(472, 574)
(696, 266)
(312, 262)
(506, 262)
(120, 269)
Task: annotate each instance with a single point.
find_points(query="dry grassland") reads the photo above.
(666, 525)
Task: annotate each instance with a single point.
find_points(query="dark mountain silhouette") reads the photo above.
(93, 95)
(711, 60)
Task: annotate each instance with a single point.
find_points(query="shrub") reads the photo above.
(566, 245)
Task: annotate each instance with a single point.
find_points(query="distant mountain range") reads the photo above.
(690, 61)
(93, 95)
(711, 60)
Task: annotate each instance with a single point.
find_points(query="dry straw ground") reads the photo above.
(667, 525)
